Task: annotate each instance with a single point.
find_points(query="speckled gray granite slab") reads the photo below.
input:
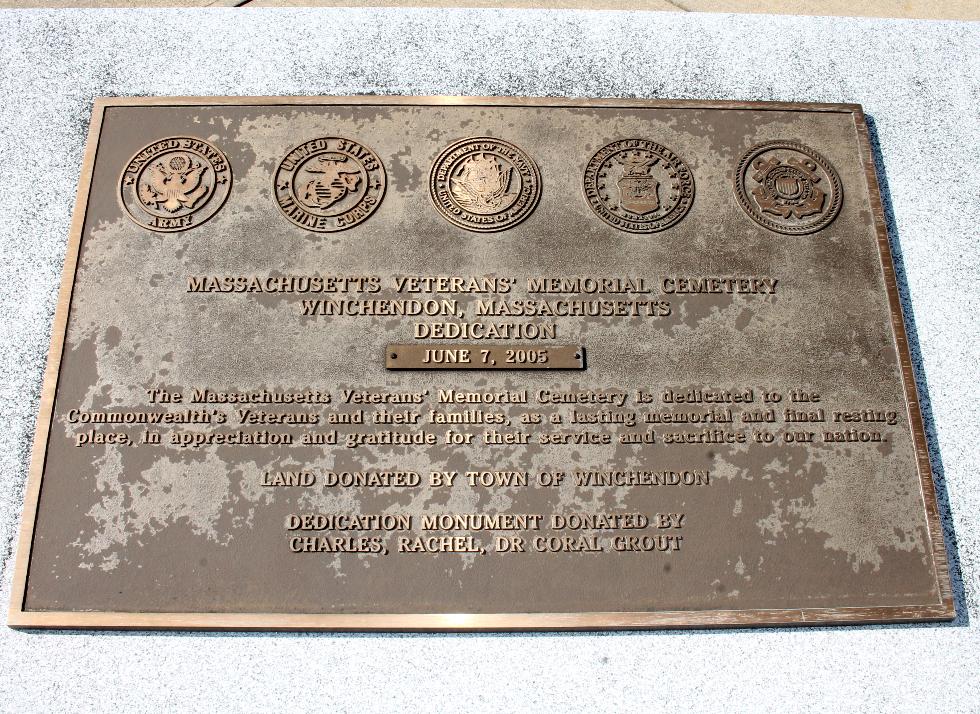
(917, 80)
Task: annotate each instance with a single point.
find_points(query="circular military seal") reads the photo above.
(175, 184)
(484, 184)
(638, 186)
(329, 184)
(787, 187)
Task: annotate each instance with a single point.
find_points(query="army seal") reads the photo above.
(638, 186)
(175, 184)
(329, 184)
(787, 187)
(484, 184)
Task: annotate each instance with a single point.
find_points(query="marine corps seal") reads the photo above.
(788, 187)
(175, 184)
(638, 186)
(484, 184)
(329, 184)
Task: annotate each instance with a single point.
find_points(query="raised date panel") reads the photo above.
(410, 363)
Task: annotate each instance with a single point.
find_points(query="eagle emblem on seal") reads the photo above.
(481, 184)
(173, 184)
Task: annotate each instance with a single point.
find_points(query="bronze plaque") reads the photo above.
(438, 363)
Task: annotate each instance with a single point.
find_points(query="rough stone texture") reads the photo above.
(931, 9)
(148, 3)
(925, 9)
(917, 80)
(31, 4)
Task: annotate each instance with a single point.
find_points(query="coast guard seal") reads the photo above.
(787, 187)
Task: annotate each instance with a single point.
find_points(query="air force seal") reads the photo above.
(638, 186)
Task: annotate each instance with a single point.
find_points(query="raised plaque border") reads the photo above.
(18, 617)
